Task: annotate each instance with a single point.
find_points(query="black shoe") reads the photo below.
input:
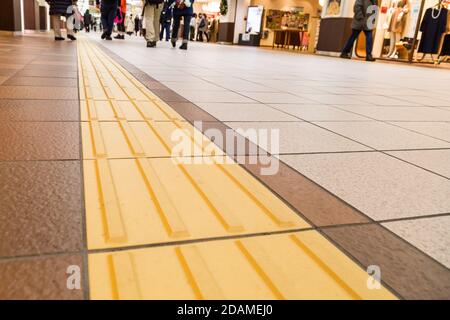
(183, 46)
(108, 38)
(104, 35)
(174, 43)
(117, 37)
(71, 37)
(345, 56)
(59, 39)
(151, 44)
(370, 58)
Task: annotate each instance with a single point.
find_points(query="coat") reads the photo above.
(59, 7)
(364, 18)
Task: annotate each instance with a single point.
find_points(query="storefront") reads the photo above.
(406, 30)
(288, 24)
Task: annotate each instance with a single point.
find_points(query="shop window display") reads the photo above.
(413, 29)
(290, 27)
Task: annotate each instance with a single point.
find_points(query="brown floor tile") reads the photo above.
(28, 92)
(39, 140)
(39, 279)
(40, 207)
(13, 66)
(169, 95)
(316, 204)
(49, 67)
(7, 72)
(404, 268)
(48, 62)
(41, 82)
(46, 73)
(190, 111)
(39, 110)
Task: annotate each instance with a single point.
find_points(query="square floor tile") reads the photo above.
(39, 110)
(378, 185)
(434, 160)
(39, 140)
(38, 278)
(335, 99)
(387, 100)
(440, 130)
(295, 137)
(431, 235)
(400, 113)
(41, 82)
(382, 136)
(40, 207)
(28, 92)
(319, 112)
(244, 112)
(215, 96)
(275, 97)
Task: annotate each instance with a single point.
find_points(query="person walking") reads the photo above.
(130, 25)
(120, 19)
(166, 19)
(152, 14)
(364, 20)
(108, 11)
(87, 19)
(202, 27)
(60, 8)
(192, 26)
(137, 25)
(182, 9)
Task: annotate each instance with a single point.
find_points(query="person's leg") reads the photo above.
(111, 16)
(369, 45)
(167, 31)
(149, 15)
(156, 21)
(175, 28)
(56, 22)
(351, 40)
(161, 31)
(369, 42)
(186, 29)
(103, 18)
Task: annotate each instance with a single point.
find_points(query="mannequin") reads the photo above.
(395, 24)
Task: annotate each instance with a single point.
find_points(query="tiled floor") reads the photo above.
(41, 210)
(374, 135)
(365, 160)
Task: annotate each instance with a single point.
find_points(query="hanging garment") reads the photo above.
(398, 19)
(445, 51)
(433, 25)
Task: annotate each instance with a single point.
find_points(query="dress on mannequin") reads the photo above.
(396, 24)
(433, 26)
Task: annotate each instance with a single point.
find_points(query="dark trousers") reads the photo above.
(192, 33)
(108, 13)
(355, 33)
(165, 27)
(176, 27)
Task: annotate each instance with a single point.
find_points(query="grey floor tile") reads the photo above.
(383, 136)
(297, 137)
(378, 185)
(319, 112)
(244, 112)
(431, 235)
(434, 160)
(440, 130)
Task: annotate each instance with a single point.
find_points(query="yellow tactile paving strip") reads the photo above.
(136, 194)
